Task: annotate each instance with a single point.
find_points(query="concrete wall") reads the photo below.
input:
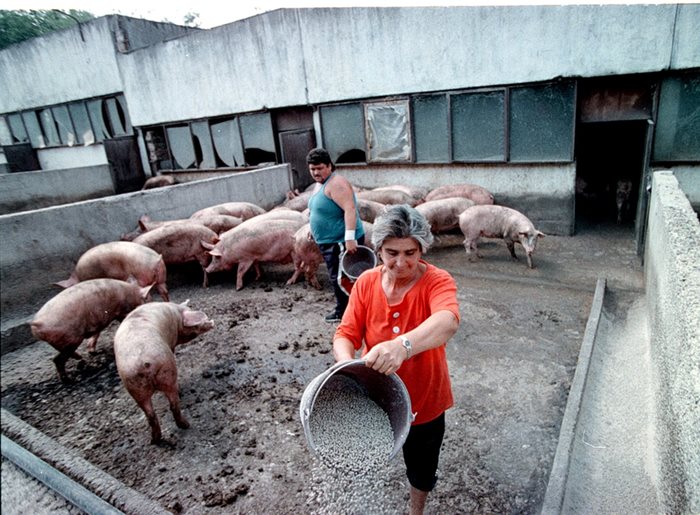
(672, 277)
(25, 191)
(545, 193)
(41, 247)
(688, 178)
(71, 64)
(331, 54)
(69, 157)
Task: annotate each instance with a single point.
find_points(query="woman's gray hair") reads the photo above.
(401, 221)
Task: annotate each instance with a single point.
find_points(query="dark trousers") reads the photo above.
(331, 255)
(421, 453)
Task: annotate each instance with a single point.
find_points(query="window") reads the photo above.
(5, 132)
(430, 127)
(81, 122)
(387, 129)
(226, 136)
(677, 132)
(343, 132)
(36, 136)
(97, 119)
(65, 125)
(16, 125)
(478, 128)
(258, 140)
(542, 122)
(181, 146)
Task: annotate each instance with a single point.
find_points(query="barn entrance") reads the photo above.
(613, 141)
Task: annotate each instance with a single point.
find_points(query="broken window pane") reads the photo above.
(542, 123)
(227, 142)
(36, 136)
(65, 125)
(181, 146)
(124, 112)
(19, 133)
(258, 141)
(157, 148)
(116, 117)
(81, 122)
(432, 140)
(97, 118)
(677, 133)
(5, 132)
(48, 126)
(388, 131)
(343, 132)
(202, 141)
(478, 126)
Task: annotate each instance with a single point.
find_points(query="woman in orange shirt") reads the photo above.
(404, 311)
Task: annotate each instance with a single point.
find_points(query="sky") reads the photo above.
(213, 13)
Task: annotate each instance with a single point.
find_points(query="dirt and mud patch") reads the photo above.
(511, 363)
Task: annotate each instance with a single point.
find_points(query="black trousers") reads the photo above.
(331, 255)
(421, 453)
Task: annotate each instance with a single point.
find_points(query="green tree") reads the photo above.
(17, 26)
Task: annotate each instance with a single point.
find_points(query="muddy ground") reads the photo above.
(512, 363)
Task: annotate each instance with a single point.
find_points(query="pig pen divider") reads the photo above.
(387, 391)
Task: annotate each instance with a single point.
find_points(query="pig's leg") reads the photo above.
(162, 289)
(243, 267)
(511, 248)
(92, 343)
(146, 405)
(529, 261)
(257, 271)
(61, 359)
(205, 282)
(174, 400)
(311, 278)
(471, 248)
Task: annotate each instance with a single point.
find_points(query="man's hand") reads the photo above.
(351, 246)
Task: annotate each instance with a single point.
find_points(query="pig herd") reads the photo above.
(114, 280)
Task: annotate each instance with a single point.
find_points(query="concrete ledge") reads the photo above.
(79, 470)
(556, 487)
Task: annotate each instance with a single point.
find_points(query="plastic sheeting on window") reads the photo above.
(181, 147)
(227, 142)
(36, 136)
(5, 132)
(81, 122)
(48, 126)
(65, 125)
(19, 134)
(388, 131)
(98, 121)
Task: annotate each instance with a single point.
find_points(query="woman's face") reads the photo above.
(400, 257)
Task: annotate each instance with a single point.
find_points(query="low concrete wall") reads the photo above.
(672, 277)
(544, 193)
(41, 247)
(24, 191)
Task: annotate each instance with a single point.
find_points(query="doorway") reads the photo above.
(610, 164)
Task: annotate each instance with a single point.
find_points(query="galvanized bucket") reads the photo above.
(387, 391)
(352, 264)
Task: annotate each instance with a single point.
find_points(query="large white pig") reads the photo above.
(369, 209)
(181, 243)
(417, 192)
(443, 214)
(478, 194)
(498, 222)
(121, 260)
(242, 210)
(83, 311)
(250, 244)
(144, 350)
(388, 197)
(279, 213)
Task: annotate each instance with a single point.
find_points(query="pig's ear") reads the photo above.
(146, 290)
(540, 234)
(142, 224)
(215, 252)
(206, 245)
(184, 304)
(193, 318)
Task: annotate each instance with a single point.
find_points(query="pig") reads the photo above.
(473, 192)
(416, 192)
(298, 201)
(308, 255)
(387, 197)
(278, 213)
(242, 210)
(250, 244)
(498, 222)
(217, 223)
(369, 209)
(443, 214)
(123, 260)
(83, 311)
(181, 243)
(623, 191)
(159, 181)
(144, 351)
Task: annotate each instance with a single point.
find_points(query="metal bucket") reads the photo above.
(387, 391)
(353, 264)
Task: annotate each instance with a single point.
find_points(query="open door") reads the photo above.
(125, 163)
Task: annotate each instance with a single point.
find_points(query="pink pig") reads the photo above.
(443, 214)
(181, 243)
(242, 210)
(473, 192)
(144, 350)
(83, 311)
(249, 244)
(498, 222)
(121, 260)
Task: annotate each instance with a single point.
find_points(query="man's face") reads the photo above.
(320, 172)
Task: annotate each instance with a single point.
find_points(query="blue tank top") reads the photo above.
(327, 218)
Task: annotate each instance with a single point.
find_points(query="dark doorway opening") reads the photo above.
(610, 160)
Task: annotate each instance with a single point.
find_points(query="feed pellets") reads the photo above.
(353, 439)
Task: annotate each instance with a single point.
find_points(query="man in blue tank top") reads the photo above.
(335, 220)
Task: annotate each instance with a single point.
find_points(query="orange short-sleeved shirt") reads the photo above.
(371, 319)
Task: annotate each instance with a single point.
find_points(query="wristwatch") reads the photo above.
(406, 345)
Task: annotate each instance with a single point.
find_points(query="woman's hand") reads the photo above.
(386, 357)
